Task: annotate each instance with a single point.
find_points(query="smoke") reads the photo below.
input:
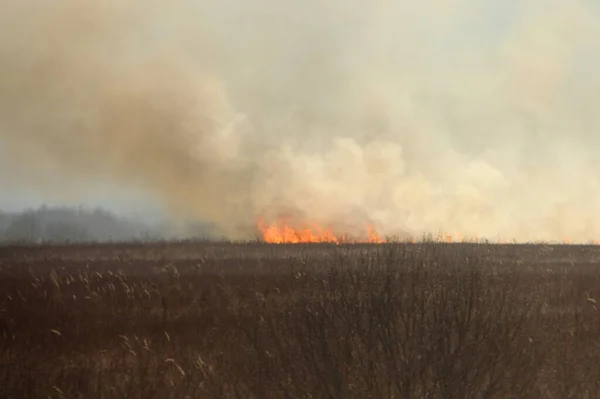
(469, 117)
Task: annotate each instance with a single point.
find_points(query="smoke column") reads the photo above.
(469, 117)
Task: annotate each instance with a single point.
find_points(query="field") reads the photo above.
(252, 320)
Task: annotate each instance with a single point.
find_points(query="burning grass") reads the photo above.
(284, 232)
(204, 320)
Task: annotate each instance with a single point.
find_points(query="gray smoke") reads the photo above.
(463, 116)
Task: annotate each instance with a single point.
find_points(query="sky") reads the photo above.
(470, 117)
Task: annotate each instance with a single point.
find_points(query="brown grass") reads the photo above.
(202, 320)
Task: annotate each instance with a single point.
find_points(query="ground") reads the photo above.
(254, 320)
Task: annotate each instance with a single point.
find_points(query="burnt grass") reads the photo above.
(252, 320)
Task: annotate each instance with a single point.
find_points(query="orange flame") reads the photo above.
(284, 233)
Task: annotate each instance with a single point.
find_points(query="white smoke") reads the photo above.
(468, 117)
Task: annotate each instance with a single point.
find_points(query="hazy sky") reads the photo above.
(476, 117)
(118, 198)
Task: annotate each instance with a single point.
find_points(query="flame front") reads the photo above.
(283, 233)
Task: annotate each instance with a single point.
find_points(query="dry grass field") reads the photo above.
(227, 320)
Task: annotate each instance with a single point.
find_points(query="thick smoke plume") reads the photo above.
(463, 116)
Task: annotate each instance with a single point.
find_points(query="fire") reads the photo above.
(283, 232)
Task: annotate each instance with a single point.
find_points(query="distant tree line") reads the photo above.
(64, 224)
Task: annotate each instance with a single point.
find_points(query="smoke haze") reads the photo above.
(470, 117)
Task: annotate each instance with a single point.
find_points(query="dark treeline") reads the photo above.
(66, 224)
